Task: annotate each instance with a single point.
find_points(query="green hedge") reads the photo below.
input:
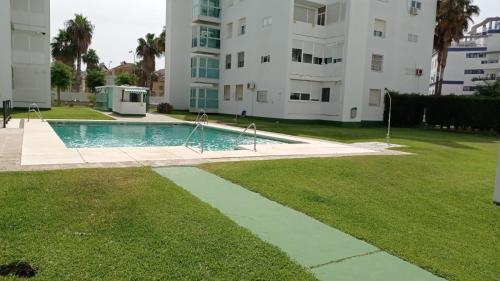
(465, 112)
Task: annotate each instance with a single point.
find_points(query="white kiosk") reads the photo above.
(123, 100)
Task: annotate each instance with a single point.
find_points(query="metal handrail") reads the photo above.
(6, 110)
(254, 136)
(34, 108)
(202, 136)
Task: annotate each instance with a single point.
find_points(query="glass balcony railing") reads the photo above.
(205, 68)
(206, 8)
(205, 37)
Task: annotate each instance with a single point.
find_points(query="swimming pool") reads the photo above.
(100, 135)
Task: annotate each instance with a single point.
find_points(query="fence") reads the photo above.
(7, 110)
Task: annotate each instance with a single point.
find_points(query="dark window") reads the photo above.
(295, 96)
(304, 96)
(321, 16)
(328, 60)
(318, 60)
(297, 55)
(325, 95)
(308, 58)
(241, 59)
(228, 61)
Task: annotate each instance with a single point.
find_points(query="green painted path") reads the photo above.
(328, 252)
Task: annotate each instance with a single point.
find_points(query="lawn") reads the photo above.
(433, 208)
(77, 112)
(126, 224)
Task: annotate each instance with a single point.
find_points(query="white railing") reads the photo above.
(202, 136)
(35, 109)
(254, 136)
(202, 117)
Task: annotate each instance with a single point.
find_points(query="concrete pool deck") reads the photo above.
(42, 149)
(329, 253)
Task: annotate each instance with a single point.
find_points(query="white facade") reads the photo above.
(25, 55)
(297, 59)
(471, 62)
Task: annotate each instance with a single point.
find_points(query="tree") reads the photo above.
(148, 50)
(62, 49)
(60, 76)
(80, 31)
(489, 89)
(452, 18)
(162, 40)
(91, 59)
(95, 78)
(125, 79)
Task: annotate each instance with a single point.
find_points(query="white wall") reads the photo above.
(31, 52)
(178, 53)
(5, 54)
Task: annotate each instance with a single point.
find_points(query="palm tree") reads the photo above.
(91, 59)
(162, 41)
(453, 18)
(148, 50)
(62, 49)
(80, 31)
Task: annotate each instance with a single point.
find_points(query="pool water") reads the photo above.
(99, 135)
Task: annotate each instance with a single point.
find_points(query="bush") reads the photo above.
(165, 108)
(460, 112)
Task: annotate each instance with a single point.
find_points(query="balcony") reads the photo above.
(206, 11)
(206, 98)
(205, 40)
(205, 70)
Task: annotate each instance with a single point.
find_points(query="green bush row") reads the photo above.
(465, 112)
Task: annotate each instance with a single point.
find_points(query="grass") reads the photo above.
(126, 224)
(433, 209)
(76, 113)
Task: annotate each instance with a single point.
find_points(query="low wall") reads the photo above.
(69, 96)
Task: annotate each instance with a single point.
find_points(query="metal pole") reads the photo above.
(496, 195)
(388, 137)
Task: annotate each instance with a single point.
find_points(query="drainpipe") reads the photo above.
(496, 196)
(388, 138)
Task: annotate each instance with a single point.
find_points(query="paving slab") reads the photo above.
(328, 252)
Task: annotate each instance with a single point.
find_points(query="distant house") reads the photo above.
(124, 67)
(159, 83)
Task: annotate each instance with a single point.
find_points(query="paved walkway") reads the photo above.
(328, 252)
(11, 141)
(150, 117)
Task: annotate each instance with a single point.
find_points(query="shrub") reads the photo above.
(165, 108)
(407, 110)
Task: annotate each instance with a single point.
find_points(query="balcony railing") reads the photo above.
(489, 61)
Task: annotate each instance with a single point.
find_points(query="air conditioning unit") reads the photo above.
(251, 85)
(419, 72)
(413, 11)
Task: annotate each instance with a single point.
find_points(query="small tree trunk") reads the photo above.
(58, 96)
(78, 82)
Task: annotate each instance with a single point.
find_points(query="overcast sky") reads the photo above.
(119, 23)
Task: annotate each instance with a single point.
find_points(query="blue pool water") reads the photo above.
(98, 135)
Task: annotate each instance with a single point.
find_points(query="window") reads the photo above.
(228, 61)
(267, 21)
(229, 30)
(469, 88)
(239, 92)
(300, 96)
(307, 58)
(475, 55)
(379, 28)
(207, 8)
(206, 37)
(412, 38)
(377, 63)
(262, 96)
(317, 60)
(241, 59)
(305, 14)
(265, 59)
(325, 95)
(227, 92)
(321, 16)
(297, 55)
(242, 27)
(474, 71)
(375, 97)
(417, 4)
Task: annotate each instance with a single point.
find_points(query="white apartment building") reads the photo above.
(297, 59)
(472, 61)
(25, 52)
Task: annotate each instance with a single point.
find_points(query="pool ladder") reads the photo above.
(254, 136)
(202, 117)
(199, 126)
(33, 108)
